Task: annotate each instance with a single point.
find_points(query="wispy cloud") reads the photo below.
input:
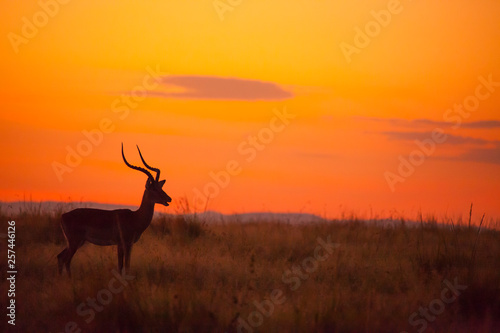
(316, 155)
(483, 155)
(450, 139)
(480, 124)
(220, 88)
(475, 149)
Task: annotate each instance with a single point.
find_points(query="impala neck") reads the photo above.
(145, 212)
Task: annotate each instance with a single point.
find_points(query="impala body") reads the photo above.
(121, 227)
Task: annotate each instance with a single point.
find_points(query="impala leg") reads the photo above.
(64, 260)
(69, 256)
(70, 252)
(120, 257)
(128, 251)
(61, 259)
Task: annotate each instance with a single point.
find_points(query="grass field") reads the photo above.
(189, 276)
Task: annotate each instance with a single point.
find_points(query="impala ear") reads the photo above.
(161, 183)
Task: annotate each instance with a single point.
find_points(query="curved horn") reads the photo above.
(149, 167)
(134, 167)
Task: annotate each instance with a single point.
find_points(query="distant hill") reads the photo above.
(16, 207)
(291, 218)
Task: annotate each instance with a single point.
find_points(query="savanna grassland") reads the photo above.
(191, 276)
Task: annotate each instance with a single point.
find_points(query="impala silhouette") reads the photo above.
(120, 227)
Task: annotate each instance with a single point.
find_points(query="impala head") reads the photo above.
(154, 186)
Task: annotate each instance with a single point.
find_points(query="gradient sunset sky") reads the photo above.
(198, 85)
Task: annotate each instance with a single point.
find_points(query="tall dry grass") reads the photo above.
(200, 277)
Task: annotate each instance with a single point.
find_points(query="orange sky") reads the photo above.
(197, 84)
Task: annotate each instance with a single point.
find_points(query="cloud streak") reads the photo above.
(450, 139)
(221, 88)
(483, 155)
(480, 124)
(483, 151)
